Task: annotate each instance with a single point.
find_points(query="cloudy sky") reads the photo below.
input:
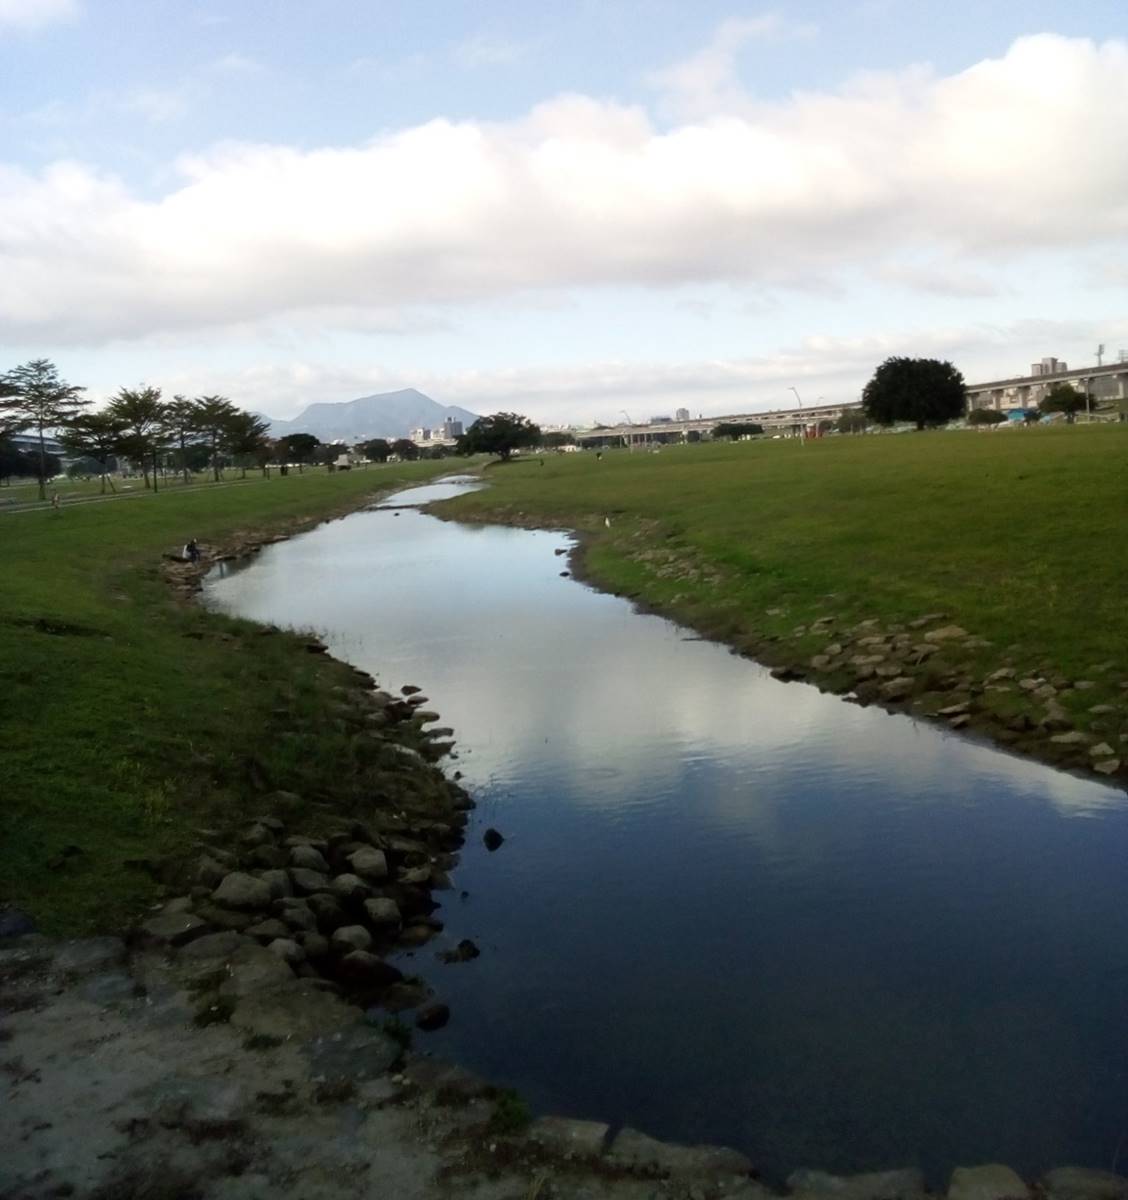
(573, 208)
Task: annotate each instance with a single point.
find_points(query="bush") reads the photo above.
(511, 1113)
(985, 416)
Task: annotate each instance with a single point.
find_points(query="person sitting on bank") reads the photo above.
(192, 551)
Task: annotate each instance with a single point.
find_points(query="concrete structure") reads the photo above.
(788, 421)
(1104, 384)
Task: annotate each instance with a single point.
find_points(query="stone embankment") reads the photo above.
(121, 1081)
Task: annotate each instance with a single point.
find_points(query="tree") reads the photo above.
(141, 415)
(406, 449)
(1062, 398)
(376, 449)
(34, 397)
(735, 430)
(499, 434)
(851, 422)
(245, 436)
(923, 390)
(97, 436)
(985, 416)
(181, 422)
(213, 413)
(296, 447)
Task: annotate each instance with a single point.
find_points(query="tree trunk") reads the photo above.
(42, 465)
(154, 472)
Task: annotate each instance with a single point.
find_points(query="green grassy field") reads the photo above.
(1018, 535)
(129, 718)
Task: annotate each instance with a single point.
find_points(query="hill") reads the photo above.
(386, 414)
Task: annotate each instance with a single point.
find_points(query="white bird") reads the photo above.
(607, 522)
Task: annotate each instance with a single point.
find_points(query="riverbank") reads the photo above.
(132, 719)
(893, 571)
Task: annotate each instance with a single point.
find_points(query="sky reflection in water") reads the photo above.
(730, 909)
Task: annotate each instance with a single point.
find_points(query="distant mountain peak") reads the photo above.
(383, 414)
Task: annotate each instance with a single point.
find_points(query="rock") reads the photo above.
(409, 689)
(257, 835)
(350, 937)
(433, 1017)
(1030, 684)
(309, 858)
(353, 1054)
(279, 883)
(1081, 1183)
(361, 967)
(402, 996)
(415, 876)
(820, 662)
(1101, 750)
(318, 844)
(90, 955)
(905, 1184)
(465, 951)
(927, 619)
(350, 888)
(1107, 766)
(268, 858)
(960, 722)
(253, 968)
(947, 633)
(1073, 738)
(990, 1182)
(298, 915)
(314, 944)
(174, 929)
(295, 1010)
(201, 1107)
(1001, 674)
(268, 930)
(1101, 710)
(212, 946)
(307, 881)
(369, 864)
(953, 710)
(1083, 685)
(1046, 692)
(492, 839)
(210, 872)
(634, 1149)
(287, 950)
(242, 891)
(416, 935)
(383, 912)
(327, 910)
(897, 689)
(225, 918)
(562, 1135)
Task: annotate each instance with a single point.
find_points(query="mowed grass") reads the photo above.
(1018, 535)
(129, 718)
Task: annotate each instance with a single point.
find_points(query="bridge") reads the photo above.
(790, 422)
(1102, 384)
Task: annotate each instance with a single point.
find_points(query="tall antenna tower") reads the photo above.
(1100, 353)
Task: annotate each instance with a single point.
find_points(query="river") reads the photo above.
(730, 909)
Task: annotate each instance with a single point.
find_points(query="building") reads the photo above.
(451, 429)
(682, 414)
(1106, 385)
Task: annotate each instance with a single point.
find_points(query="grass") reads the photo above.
(130, 719)
(1017, 535)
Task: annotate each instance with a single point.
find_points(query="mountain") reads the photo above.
(386, 415)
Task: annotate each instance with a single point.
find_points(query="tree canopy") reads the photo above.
(376, 449)
(734, 430)
(499, 434)
(925, 391)
(296, 447)
(1062, 398)
(32, 396)
(985, 416)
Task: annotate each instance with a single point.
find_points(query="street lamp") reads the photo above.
(802, 425)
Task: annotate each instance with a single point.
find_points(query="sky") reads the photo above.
(574, 209)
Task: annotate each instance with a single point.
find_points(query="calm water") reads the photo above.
(730, 909)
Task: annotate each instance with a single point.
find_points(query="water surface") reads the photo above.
(730, 909)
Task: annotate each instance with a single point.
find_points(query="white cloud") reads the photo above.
(1007, 158)
(708, 82)
(35, 14)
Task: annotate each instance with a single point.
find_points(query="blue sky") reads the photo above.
(571, 209)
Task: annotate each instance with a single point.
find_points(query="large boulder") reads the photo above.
(309, 858)
(1082, 1183)
(992, 1181)
(350, 937)
(383, 913)
(307, 881)
(173, 929)
(362, 968)
(90, 955)
(633, 1149)
(369, 863)
(576, 1139)
(242, 891)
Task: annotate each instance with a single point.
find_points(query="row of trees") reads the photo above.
(137, 424)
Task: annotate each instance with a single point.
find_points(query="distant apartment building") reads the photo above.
(451, 428)
(682, 414)
(421, 435)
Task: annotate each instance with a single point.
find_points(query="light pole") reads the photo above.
(802, 425)
(630, 436)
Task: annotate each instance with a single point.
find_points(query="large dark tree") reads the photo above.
(735, 430)
(181, 423)
(925, 391)
(376, 449)
(499, 434)
(34, 397)
(95, 436)
(245, 437)
(296, 448)
(406, 449)
(1062, 398)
